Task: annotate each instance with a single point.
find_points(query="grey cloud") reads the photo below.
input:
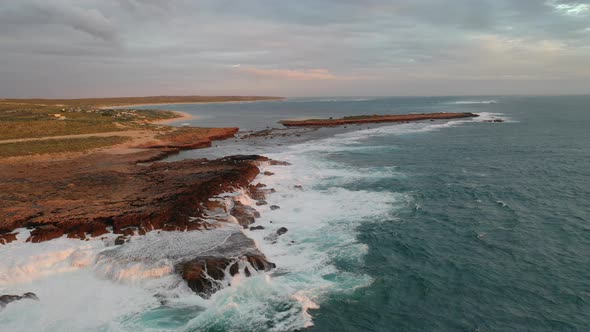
(87, 20)
(183, 46)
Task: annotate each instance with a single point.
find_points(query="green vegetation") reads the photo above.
(33, 118)
(58, 145)
(33, 121)
(181, 133)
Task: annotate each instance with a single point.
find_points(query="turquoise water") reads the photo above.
(496, 236)
(494, 233)
(460, 225)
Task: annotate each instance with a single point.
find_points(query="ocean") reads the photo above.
(459, 225)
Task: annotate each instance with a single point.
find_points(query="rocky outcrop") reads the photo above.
(190, 138)
(6, 299)
(274, 236)
(361, 119)
(244, 214)
(205, 259)
(204, 274)
(7, 238)
(118, 197)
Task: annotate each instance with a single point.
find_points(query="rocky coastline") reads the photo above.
(102, 195)
(128, 198)
(361, 119)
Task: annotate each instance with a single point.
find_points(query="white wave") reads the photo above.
(330, 100)
(71, 297)
(115, 291)
(472, 102)
(322, 223)
(489, 116)
(26, 262)
(350, 140)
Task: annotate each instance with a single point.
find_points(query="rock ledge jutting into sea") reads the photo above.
(362, 119)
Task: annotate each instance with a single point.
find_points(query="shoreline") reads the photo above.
(194, 194)
(119, 106)
(182, 116)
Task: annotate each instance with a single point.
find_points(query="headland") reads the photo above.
(361, 119)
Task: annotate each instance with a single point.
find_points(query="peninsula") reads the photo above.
(361, 119)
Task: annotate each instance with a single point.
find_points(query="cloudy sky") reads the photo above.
(83, 48)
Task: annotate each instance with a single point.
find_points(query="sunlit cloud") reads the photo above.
(572, 9)
(290, 74)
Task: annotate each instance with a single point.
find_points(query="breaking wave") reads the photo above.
(472, 102)
(134, 287)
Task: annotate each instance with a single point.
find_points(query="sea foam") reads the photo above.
(133, 287)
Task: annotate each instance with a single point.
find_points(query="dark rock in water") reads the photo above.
(45, 233)
(259, 203)
(6, 299)
(274, 236)
(494, 120)
(299, 187)
(206, 260)
(162, 299)
(245, 215)
(274, 207)
(7, 238)
(282, 231)
(121, 240)
(257, 193)
(280, 163)
(252, 157)
(267, 173)
(202, 274)
(255, 228)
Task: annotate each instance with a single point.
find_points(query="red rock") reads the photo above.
(120, 195)
(244, 214)
(403, 118)
(45, 233)
(7, 238)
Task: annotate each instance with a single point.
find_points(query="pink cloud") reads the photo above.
(289, 74)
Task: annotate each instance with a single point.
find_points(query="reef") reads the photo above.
(362, 119)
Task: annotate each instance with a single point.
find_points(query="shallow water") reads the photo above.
(458, 225)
